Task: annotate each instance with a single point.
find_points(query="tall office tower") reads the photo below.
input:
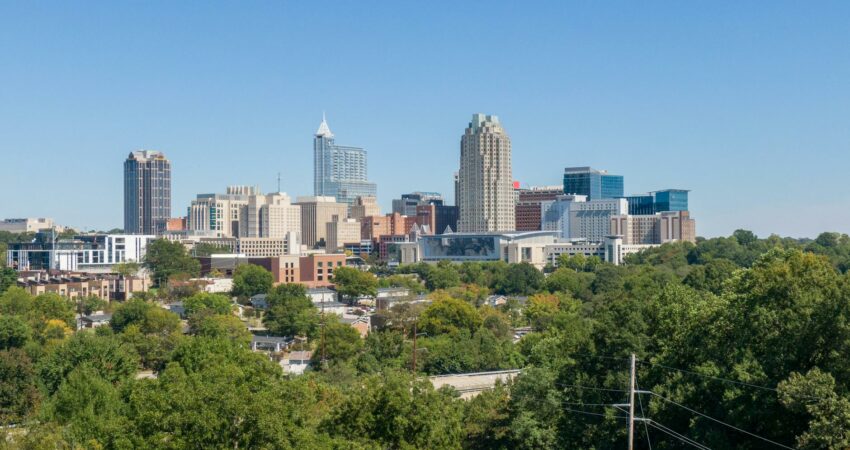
(316, 212)
(221, 215)
(595, 184)
(363, 207)
(339, 171)
(485, 182)
(147, 192)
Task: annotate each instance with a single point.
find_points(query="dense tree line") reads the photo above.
(749, 332)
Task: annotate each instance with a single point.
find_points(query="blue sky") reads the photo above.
(747, 105)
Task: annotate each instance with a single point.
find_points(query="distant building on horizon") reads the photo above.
(595, 184)
(29, 225)
(528, 208)
(658, 201)
(406, 205)
(339, 171)
(485, 182)
(147, 192)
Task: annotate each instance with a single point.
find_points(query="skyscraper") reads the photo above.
(147, 192)
(339, 171)
(595, 184)
(485, 181)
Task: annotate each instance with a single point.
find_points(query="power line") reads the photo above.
(590, 387)
(676, 435)
(726, 380)
(721, 422)
(593, 413)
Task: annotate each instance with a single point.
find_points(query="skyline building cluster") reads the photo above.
(493, 217)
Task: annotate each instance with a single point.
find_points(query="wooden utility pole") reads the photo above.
(414, 347)
(632, 404)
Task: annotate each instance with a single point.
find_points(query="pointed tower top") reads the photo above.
(324, 130)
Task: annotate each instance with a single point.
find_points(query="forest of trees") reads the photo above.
(741, 343)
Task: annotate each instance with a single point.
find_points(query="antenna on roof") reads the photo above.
(278, 181)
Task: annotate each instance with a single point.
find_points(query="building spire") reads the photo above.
(324, 130)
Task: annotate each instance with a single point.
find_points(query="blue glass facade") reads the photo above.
(593, 183)
(660, 201)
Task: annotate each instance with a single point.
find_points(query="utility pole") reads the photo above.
(414, 348)
(324, 361)
(632, 403)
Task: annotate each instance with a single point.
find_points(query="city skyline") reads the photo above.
(728, 101)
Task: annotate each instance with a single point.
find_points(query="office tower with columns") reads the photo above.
(147, 192)
(339, 171)
(485, 182)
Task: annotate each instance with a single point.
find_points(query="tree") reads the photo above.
(250, 280)
(341, 341)
(127, 269)
(8, 277)
(203, 249)
(209, 324)
(18, 392)
(449, 315)
(90, 304)
(166, 259)
(132, 311)
(442, 276)
(14, 332)
(112, 359)
(291, 312)
(352, 283)
(217, 303)
(521, 279)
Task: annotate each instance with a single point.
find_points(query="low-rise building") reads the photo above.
(90, 253)
(77, 285)
(316, 270)
(29, 225)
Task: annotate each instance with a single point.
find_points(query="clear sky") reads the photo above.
(746, 105)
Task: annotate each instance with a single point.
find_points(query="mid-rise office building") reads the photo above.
(406, 205)
(528, 208)
(243, 212)
(595, 184)
(316, 212)
(576, 217)
(339, 171)
(342, 231)
(92, 253)
(658, 228)
(147, 192)
(363, 207)
(438, 217)
(485, 180)
(658, 201)
(29, 225)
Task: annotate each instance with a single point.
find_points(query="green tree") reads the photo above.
(442, 276)
(209, 324)
(112, 359)
(449, 315)
(341, 341)
(8, 277)
(126, 269)
(521, 279)
(166, 259)
(291, 312)
(18, 392)
(14, 332)
(352, 283)
(250, 280)
(218, 303)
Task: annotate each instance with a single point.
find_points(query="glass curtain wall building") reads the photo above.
(147, 192)
(339, 171)
(658, 201)
(595, 184)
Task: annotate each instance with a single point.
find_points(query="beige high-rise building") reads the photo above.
(485, 182)
(316, 212)
(341, 232)
(364, 206)
(659, 228)
(244, 212)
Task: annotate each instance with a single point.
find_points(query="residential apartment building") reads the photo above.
(147, 192)
(485, 180)
(316, 212)
(339, 171)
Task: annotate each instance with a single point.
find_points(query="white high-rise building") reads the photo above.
(244, 212)
(485, 181)
(577, 218)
